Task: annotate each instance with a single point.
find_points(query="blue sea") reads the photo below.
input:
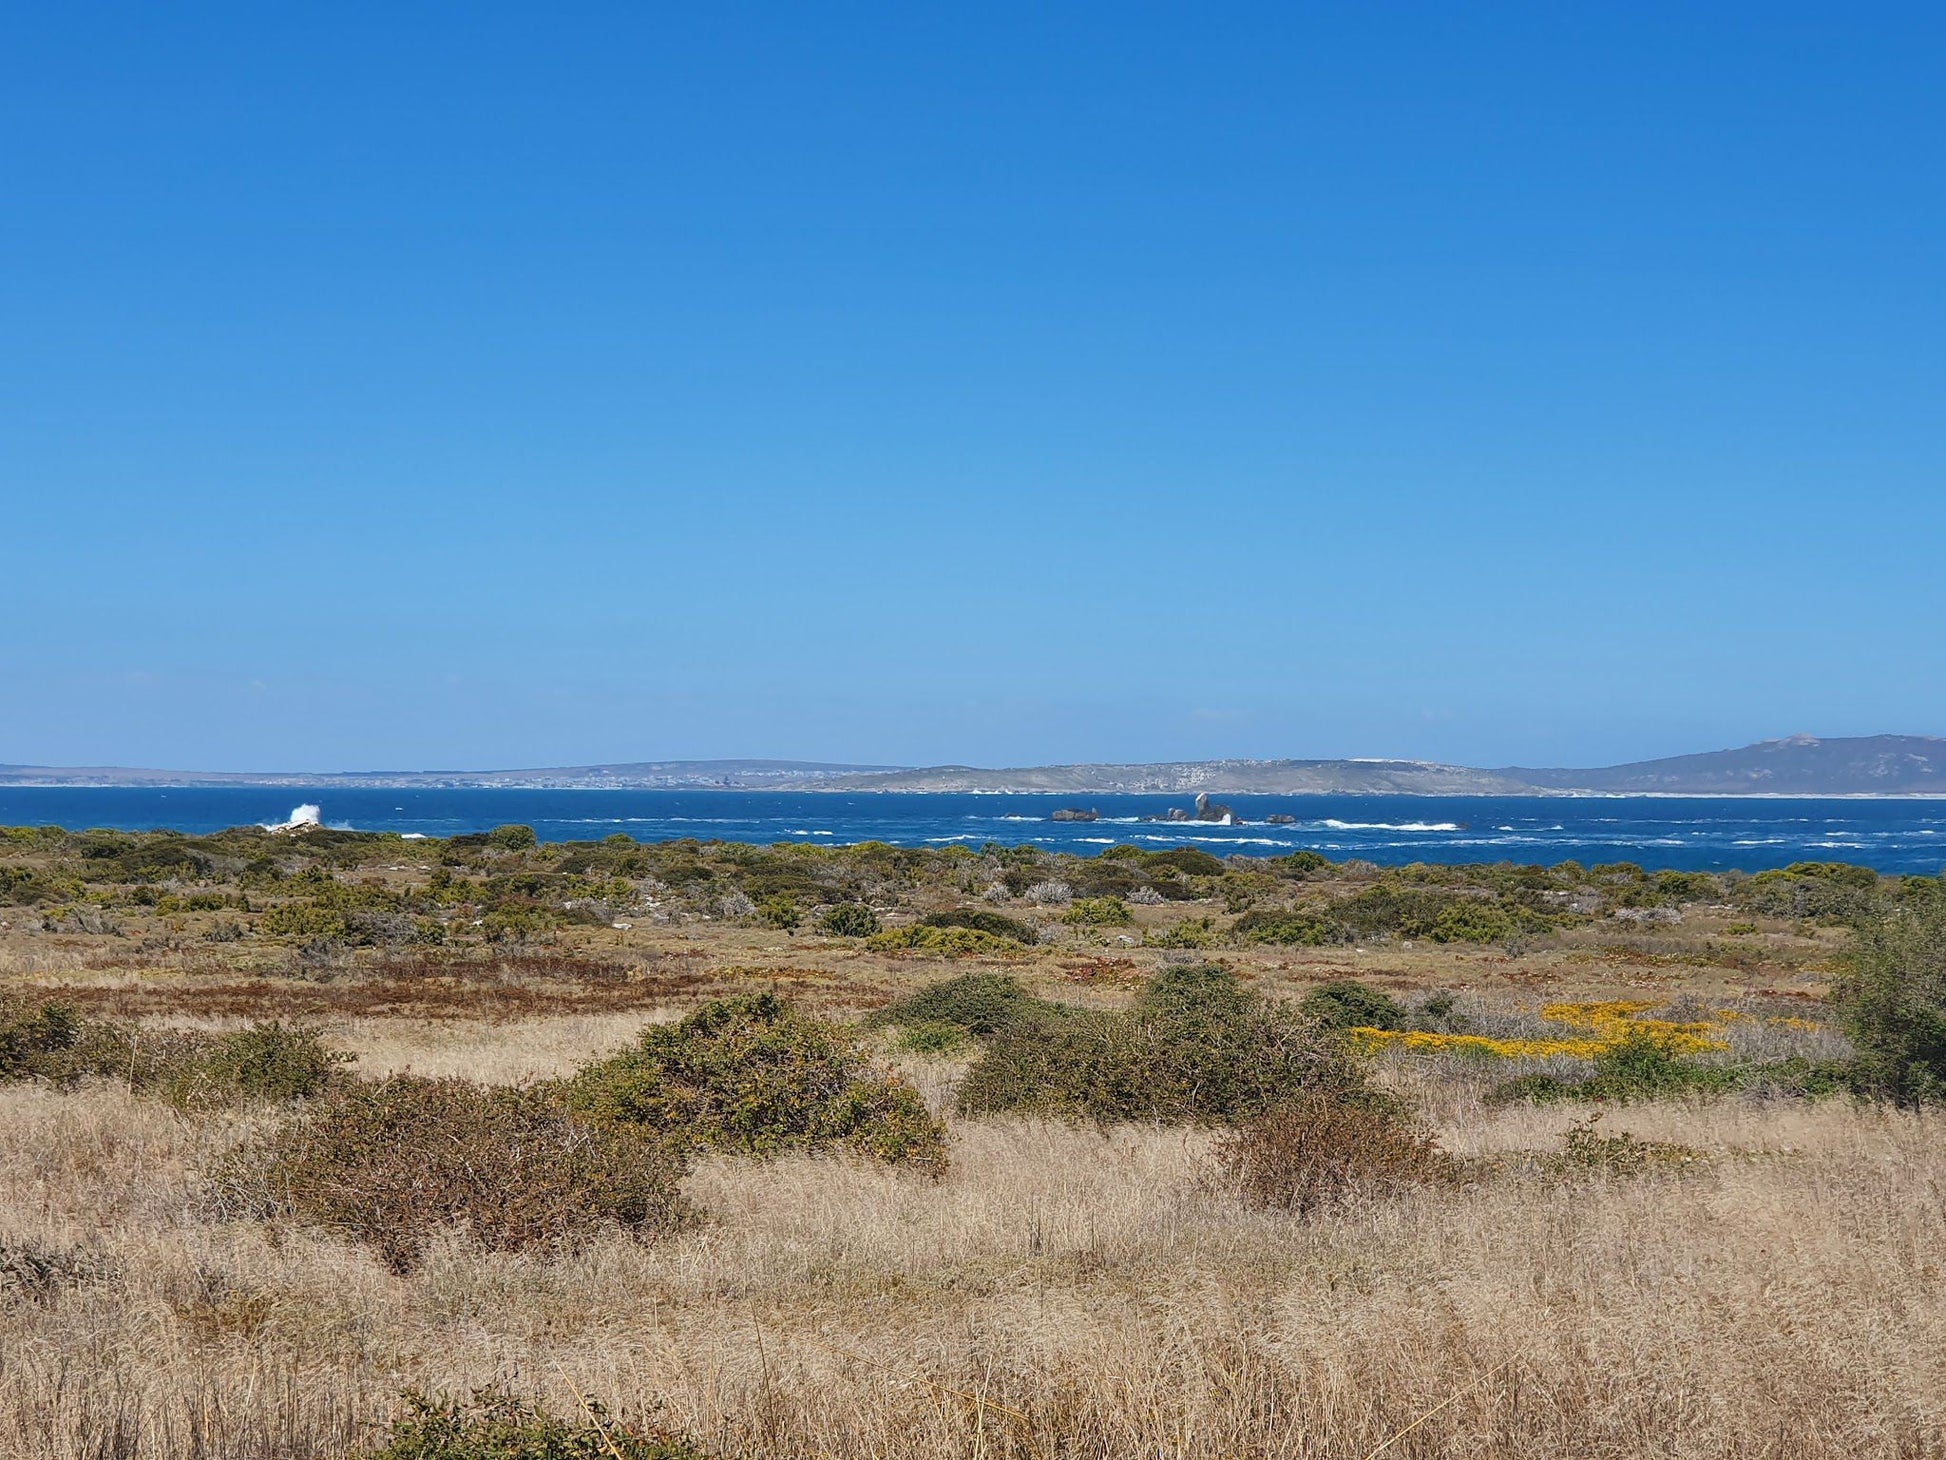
(1701, 833)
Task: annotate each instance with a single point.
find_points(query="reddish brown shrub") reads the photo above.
(397, 1162)
(1319, 1148)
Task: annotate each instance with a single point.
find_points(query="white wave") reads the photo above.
(1221, 841)
(305, 815)
(1337, 825)
(412, 836)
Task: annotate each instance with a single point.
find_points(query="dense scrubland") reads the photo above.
(333, 1144)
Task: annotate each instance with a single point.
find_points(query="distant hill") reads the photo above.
(735, 775)
(1800, 765)
(1234, 777)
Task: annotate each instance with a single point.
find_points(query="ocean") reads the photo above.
(1714, 833)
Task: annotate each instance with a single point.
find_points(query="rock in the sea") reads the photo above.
(1075, 813)
(1208, 810)
(1281, 818)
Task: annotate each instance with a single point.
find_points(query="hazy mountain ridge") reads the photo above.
(1800, 765)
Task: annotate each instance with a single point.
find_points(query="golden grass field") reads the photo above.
(1061, 1292)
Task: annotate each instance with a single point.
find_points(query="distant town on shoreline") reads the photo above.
(1798, 765)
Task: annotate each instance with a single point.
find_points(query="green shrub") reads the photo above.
(1196, 1047)
(1641, 1066)
(1349, 1004)
(37, 1038)
(849, 920)
(945, 942)
(932, 1038)
(1187, 860)
(1300, 928)
(976, 1004)
(395, 1163)
(1300, 864)
(780, 912)
(1303, 1154)
(301, 922)
(1467, 921)
(1892, 1001)
(512, 838)
(982, 921)
(1099, 912)
(268, 1063)
(751, 1075)
(1188, 933)
(496, 1426)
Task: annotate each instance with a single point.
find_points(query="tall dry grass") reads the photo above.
(1061, 1292)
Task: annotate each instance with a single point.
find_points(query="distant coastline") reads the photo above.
(1880, 766)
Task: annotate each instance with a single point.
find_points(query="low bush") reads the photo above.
(1349, 1004)
(1099, 912)
(1586, 1149)
(751, 1075)
(266, 1063)
(1303, 1154)
(1189, 933)
(1642, 1065)
(1892, 1001)
(980, 920)
(780, 912)
(951, 942)
(1196, 1047)
(849, 920)
(495, 1426)
(1299, 929)
(976, 1004)
(396, 1163)
(37, 1037)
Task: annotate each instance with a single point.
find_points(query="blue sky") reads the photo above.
(491, 386)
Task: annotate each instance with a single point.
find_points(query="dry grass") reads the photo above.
(1060, 1292)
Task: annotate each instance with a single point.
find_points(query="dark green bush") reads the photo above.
(1892, 1001)
(1300, 928)
(780, 912)
(1099, 912)
(511, 838)
(37, 1038)
(397, 1162)
(268, 1063)
(1196, 1047)
(1300, 864)
(977, 1004)
(751, 1075)
(849, 920)
(999, 925)
(496, 1426)
(1186, 860)
(1349, 1004)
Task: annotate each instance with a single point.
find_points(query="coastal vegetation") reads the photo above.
(328, 1144)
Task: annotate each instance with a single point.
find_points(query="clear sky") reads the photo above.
(468, 386)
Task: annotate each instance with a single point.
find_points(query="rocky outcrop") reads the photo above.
(1075, 813)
